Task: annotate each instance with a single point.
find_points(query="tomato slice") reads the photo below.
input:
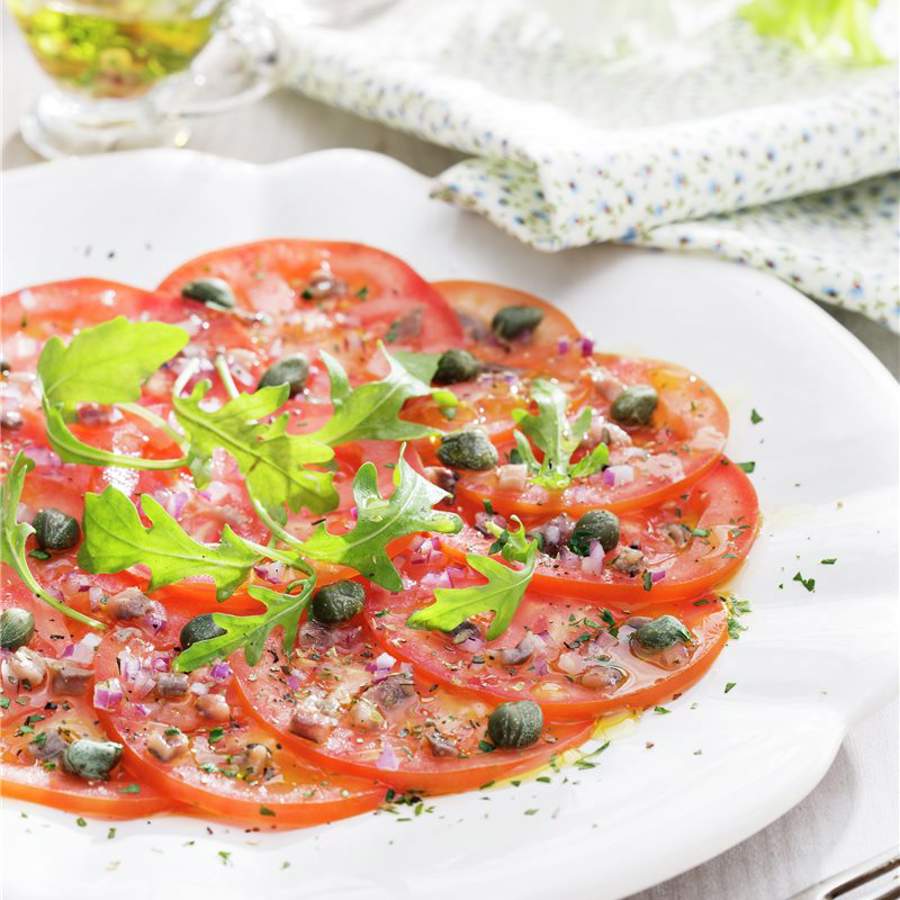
(337, 701)
(549, 347)
(488, 402)
(687, 545)
(30, 770)
(647, 463)
(221, 761)
(320, 291)
(575, 669)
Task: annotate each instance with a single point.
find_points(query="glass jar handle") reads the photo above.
(241, 64)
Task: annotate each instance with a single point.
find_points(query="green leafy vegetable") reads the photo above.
(501, 594)
(70, 449)
(272, 461)
(380, 520)
(556, 438)
(250, 632)
(15, 534)
(107, 363)
(838, 30)
(115, 539)
(371, 411)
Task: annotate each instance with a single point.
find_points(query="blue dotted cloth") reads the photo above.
(724, 142)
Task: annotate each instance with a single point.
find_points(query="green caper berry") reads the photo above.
(338, 602)
(91, 759)
(595, 525)
(455, 366)
(467, 450)
(200, 628)
(635, 405)
(211, 291)
(516, 724)
(54, 530)
(16, 628)
(292, 371)
(661, 633)
(514, 321)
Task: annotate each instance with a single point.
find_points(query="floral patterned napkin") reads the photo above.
(579, 136)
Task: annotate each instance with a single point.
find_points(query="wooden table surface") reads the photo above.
(854, 813)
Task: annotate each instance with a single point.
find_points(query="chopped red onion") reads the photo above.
(83, 652)
(587, 346)
(540, 666)
(129, 666)
(384, 661)
(657, 576)
(155, 616)
(387, 760)
(293, 682)
(95, 596)
(199, 688)
(618, 475)
(471, 644)
(571, 663)
(354, 513)
(592, 564)
(141, 709)
(220, 672)
(108, 694)
(273, 572)
(160, 663)
(563, 345)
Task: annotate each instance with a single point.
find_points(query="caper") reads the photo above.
(661, 633)
(455, 366)
(200, 628)
(16, 628)
(211, 291)
(516, 724)
(292, 371)
(338, 602)
(91, 759)
(54, 530)
(595, 525)
(467, 450)
(635, 405)
(514, 321)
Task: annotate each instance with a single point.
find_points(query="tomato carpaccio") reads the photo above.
(361, 705)
(337, 700)
(572, 657)
(190, 737)
(685, 545)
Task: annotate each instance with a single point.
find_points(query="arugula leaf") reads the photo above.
(514, 546)
(70, 449)
(379, 520)
(14, 535)
(107, 363)
(250, 632)
(556, 438)
(370, 412)
(501, 595)
(115, 539)
(272, 461)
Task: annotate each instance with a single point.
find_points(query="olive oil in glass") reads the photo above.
(115, 48)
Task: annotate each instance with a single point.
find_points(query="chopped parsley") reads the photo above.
(828, 562)
(747, 466)
(661, 710)
(755, 417)
(216, 735)
(225, 856)
(265, 811)
(729, 686)
(81, 822)
(110, 834)
(808, 583)
(130, 789)
(486, 747)
(647, 580)
(4, 702)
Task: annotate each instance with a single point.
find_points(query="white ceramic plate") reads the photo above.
(810, 664)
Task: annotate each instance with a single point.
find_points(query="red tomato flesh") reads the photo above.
(335, 700)
(690, 543)
(576, 669)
